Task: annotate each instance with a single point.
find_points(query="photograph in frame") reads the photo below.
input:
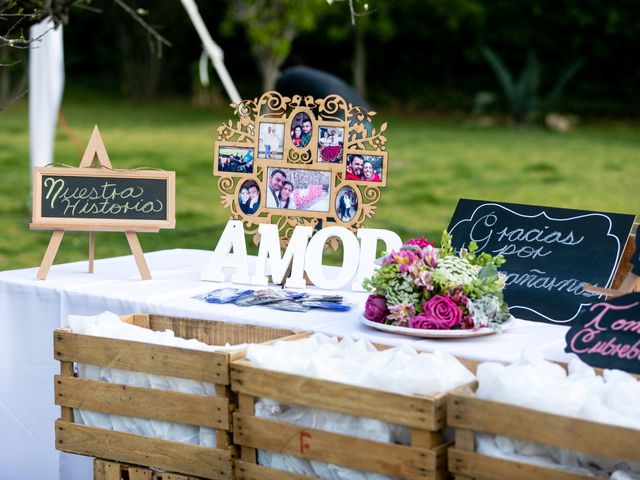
(249, 197)
(271, 141)
(235, 159)
(346, 204)
(364, 168)
(301, 130)
(298, 189)
(330, 144)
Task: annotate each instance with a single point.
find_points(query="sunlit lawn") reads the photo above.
(432, 164)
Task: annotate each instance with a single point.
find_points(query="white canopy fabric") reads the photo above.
(46, 84)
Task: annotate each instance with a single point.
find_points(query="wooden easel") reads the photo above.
(95, 156)
(625, 280)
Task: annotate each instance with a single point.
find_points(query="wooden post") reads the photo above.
(245, 407)
(136, 249)
(50, 254)
(92, 250)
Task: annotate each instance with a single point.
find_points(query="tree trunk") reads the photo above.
(360, 62)
(269, 69)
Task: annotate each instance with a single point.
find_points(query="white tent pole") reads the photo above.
(212, 49)
(46, 84)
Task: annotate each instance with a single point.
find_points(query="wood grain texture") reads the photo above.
(421, 412)
(50, 254)
(142, 402)
(481, 467)
(105, 470)
(138, 255)
(344, 450)
(251, 471)
(141, 357)
(210, 463)
(469, 412)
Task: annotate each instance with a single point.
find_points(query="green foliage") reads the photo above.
(379, 283)
(446, 249)
(523, 94)
(483, 259)
(402, 291)
(271, 26)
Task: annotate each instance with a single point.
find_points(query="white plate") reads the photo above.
(419, 332)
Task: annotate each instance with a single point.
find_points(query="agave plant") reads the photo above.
(524, 99)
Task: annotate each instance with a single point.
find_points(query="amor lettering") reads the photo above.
(304, 254)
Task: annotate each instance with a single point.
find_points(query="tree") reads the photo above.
(271, 26)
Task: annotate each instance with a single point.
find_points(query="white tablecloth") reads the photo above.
(31, 309)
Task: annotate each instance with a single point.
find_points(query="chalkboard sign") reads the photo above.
(97, 199)
(550, 253)
(607, 335)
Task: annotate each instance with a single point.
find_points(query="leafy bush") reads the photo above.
(523, 96)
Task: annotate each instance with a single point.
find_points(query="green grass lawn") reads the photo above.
(432, 164)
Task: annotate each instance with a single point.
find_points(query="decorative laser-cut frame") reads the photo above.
(360, 137)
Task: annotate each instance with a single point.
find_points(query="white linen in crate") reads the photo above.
(532, 382)
(400, 370)
(109, 325)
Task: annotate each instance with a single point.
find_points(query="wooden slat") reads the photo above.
(441, 461)
(246, 405)
(420, 412)
(178, 457)
(251, 471)
(66, 370)
(141, 357)
(139, 473)
(214, 332)
(142, 402)
(482, 467)
(344, 450)
(104, 470)
(470, 412)
(425, 438)
(175, 476)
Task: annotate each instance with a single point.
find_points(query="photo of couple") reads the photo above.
(301, 130)
(330, 144)
(346, 204)
(271, 141)
(297, 189)
(366, 168)
(249, 197)
(235, 159)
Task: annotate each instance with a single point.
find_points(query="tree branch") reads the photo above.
(159, 38)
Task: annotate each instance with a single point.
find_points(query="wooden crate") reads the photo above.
(425, 458)
(470, 414)
(107, 470)
(206, 411)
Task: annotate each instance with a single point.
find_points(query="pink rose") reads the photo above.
(424, 322)
(376, 308)
(441, 313)
(419, 242)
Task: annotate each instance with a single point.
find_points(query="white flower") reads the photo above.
(457, 270)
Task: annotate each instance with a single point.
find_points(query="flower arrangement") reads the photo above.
(423, 287)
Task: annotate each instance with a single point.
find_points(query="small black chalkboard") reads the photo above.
(81, 196)
(550, 253)
(607, 335)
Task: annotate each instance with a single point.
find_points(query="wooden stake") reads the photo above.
(92, 250)
(50, 254)
(136, 249)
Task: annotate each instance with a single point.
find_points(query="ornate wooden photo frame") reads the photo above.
(288, 161)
